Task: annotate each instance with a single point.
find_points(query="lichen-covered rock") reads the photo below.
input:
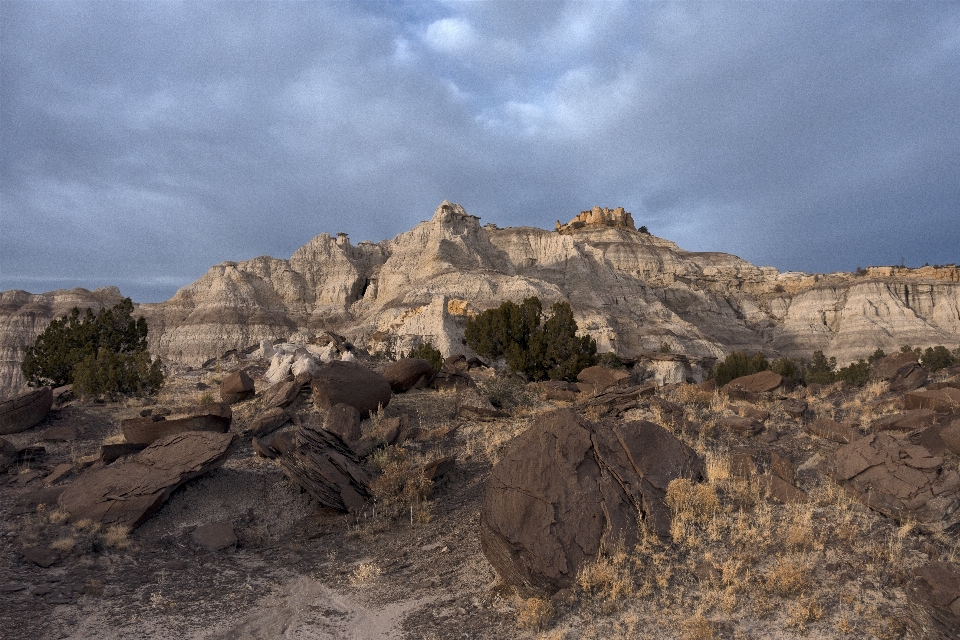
(566, 488)
(899, 479)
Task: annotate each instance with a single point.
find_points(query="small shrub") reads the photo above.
(738, 364)
(787, 367)
(539, 347)
(534, 613)
(643, 229)
(936, 358)
(206, 398)
(856, 374)
(876, 355)
(820, 370)
(365, 572)
(426, 351)
(610, 360)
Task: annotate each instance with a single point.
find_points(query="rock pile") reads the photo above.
(567, 488)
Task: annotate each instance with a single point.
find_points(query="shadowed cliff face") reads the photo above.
(630, 291)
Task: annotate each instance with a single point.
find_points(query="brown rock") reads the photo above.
(25, 410)
(742, 465)
(268, 422)
(438, 468)
(940, 400)
(456, 362)
(794, 407)
(596, 379)
(888, 367)
(908, 379)
(42, 556)
(559, 390)
(350, 383)
(782, 467)
(616, 401)
(405, 373)
(934, 596)
(832, 430)
(65, 433)
(566, 486)
(763, 382)
(343, 420)
(899, 479)
(214, 537)
(906, 421)
(950, 435)
(8, 455)
(112, 452)
(128, 493)
(930, 439)
(214, 417)
(447, 379)
(285, 392)
(779, 490)
(746, 427)
(236, 387)
(327, 469)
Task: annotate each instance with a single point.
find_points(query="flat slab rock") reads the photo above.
(567, 488)
(128, 492)
(934, 595)
(215, 417)
(900, 480)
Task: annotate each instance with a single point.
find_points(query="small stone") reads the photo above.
(214, 537)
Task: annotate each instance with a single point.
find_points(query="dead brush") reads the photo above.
(693, 506)
(789, 576)
(691, 394)
(400, 484)
(608, 578)
(805, 610)
(534, 613)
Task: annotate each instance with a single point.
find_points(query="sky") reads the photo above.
(143, 142)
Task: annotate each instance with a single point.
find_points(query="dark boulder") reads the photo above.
(567, 487)
(8, 455)
(214, 417)
(343, 420)
(350, 383)
(934, 598)
(284, 392)
(236, 387)
(267, 422)
(25, 410)
(406, 373)
(748, 387)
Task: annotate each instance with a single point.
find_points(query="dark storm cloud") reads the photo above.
(141, 143)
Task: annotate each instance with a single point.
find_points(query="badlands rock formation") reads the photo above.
(631, 291)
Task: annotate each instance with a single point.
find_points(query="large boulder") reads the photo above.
(934, 597)
(900, 480)
(944, 400)
(8, 455)
(567, 488)
(128, 492)
(906, 421)
(214, 417)
(596, 379)
(405, 373)
(350, 383)
(236, 387)
(25, 410)
(901, 369)
(763, 382)
(343, 420)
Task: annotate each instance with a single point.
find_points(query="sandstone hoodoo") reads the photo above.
(568, 488)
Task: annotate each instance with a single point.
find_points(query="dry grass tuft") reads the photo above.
(63, 545)
(365, 572)
(804, 611)
(608, 578)
(697, 628)
(117, 537)
(789, 576)
(534, 613)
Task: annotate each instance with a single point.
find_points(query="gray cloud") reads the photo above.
(143, 142)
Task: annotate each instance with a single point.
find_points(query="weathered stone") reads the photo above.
(763, 382)
(782, 467)
(950, 435)
(64, 433)
(350, 383)
(456, 362)
(779, 490)
(559, 390)
(326, 468)
(742, 465)
(343, 420)
(438, 468)
(405, 373)
(832, 430)
(25, 410)
(908, 379)
(886, 368)
(215, 536)
(934, 596)
(214, 417)
(906, 421)
(127, 493)
(794, 407)
(267, 422)
(41, 555)
(112, 452)
(8, 455)
(746, 427)
(284, 392)
(616, 401)
(597, 379)
(566, 487)
(944, 400)
(899, 479)
(236, 387)
(447, 379)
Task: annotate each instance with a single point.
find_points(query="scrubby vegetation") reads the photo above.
(98, 353)
(428, 352)
(539, 347)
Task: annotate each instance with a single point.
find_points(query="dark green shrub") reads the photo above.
(855, 374)
(738, 364)
(820, 370)
(787, 367)
(936, 358)
(108, 350)
(610, 361)
(539, 349)
(876, 355)
(428, 352)
(643, 229)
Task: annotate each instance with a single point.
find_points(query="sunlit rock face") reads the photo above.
(631, 291)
